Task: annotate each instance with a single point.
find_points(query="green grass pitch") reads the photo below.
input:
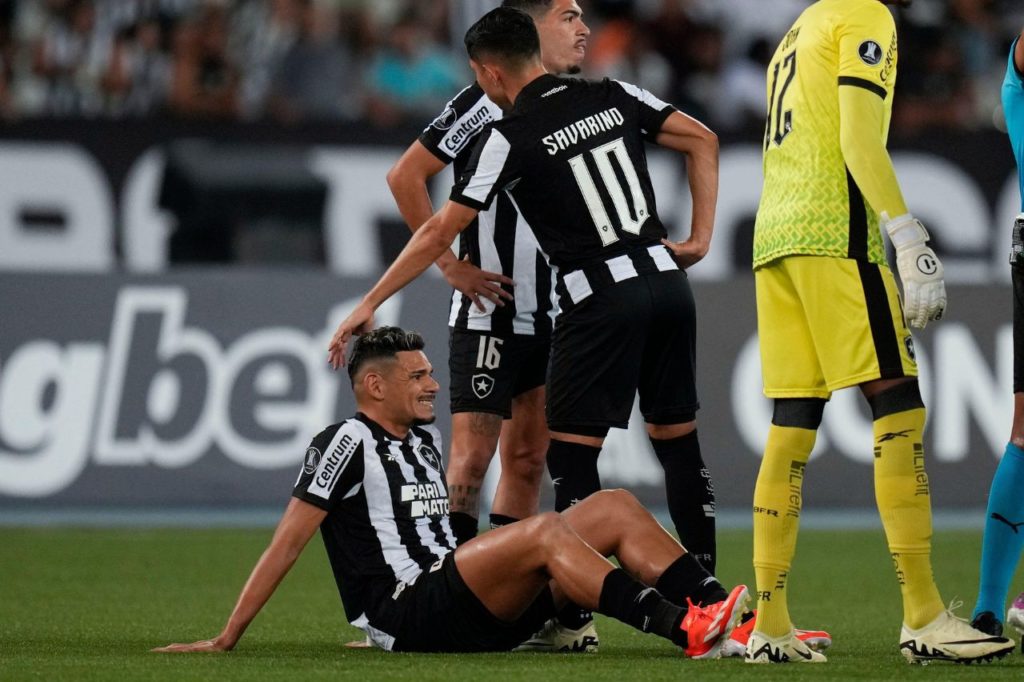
(89, 604)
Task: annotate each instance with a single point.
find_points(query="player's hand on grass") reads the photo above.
(477, 284)
(924, 291)
(358, 322)
(687, 253)
(204, 646)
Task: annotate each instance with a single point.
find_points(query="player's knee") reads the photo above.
(525, 463)
(467, 463)
(614, 502)
(902, 397)
(798, 413)
(548, 529)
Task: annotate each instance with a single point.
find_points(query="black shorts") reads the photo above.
(486, 371)
(636, 335)
(1017, 276)
(439, 613)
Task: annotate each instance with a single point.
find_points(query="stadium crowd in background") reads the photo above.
(388, 61)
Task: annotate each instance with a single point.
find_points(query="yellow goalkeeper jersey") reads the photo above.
(810, 203)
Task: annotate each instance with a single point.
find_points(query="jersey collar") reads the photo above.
(534, 91)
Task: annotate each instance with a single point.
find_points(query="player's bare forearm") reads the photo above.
(407, 181)
(297, 525)
(425, 247)
(689, 136)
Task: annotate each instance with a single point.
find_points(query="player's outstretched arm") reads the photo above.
(426, 245)
(296, 527)
(862, 113)
(689, 136)
(407, 180)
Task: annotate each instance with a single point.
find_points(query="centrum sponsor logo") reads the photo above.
(468, 126)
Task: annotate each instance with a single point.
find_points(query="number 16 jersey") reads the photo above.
(571, 155)
(811, 204)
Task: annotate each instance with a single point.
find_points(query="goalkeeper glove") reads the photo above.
(924, 292)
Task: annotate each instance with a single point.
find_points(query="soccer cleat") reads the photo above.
(708, 627)
(786, 649)
(949, 638)
(556, 638)
(1015, 614)
(736, 645)
(987, 622)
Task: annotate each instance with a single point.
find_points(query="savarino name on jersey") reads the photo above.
(582, 129)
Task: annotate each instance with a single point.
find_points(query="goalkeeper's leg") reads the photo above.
(903, 495)
(777, 503)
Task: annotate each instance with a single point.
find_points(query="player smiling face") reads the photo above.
(563, 36)
(410, 388)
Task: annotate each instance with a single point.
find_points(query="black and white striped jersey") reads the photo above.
(571, 154)
(387, 508)
(499, 239)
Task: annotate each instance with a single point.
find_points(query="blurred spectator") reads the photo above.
(67, 58)
(744, 94)
(934, 90)
(137, 73)
(316, 79)
(394, 61)
(621, 50)
(263, 33)
(204, 79)
(412, 77)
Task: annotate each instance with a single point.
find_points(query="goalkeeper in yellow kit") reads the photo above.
(829, 315)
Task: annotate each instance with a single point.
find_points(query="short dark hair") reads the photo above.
(531, 7)
(382, 342)
(505, 33)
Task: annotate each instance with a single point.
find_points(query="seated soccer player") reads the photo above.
(375, 487)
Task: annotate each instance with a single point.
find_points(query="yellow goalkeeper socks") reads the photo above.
(777, 502)
(904, 499)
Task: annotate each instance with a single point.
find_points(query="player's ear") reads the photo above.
(373, 384)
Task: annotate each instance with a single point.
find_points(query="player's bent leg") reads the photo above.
(688, 488)
(474, 440)
(509, 566)
(523, 447)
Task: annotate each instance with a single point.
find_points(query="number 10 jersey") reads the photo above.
(571, 155)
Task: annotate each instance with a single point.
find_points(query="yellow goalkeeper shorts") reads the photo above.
(827, 323)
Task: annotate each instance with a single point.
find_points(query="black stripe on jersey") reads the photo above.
(883, 333)
(388, 454)
(858, 245)
(864, 83)
(435, 524)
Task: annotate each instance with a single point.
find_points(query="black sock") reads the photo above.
(641, 606)
(499, 520)
(573, 469)
(686, 578)
(690, 495)
(574, 616)
(464, 526)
